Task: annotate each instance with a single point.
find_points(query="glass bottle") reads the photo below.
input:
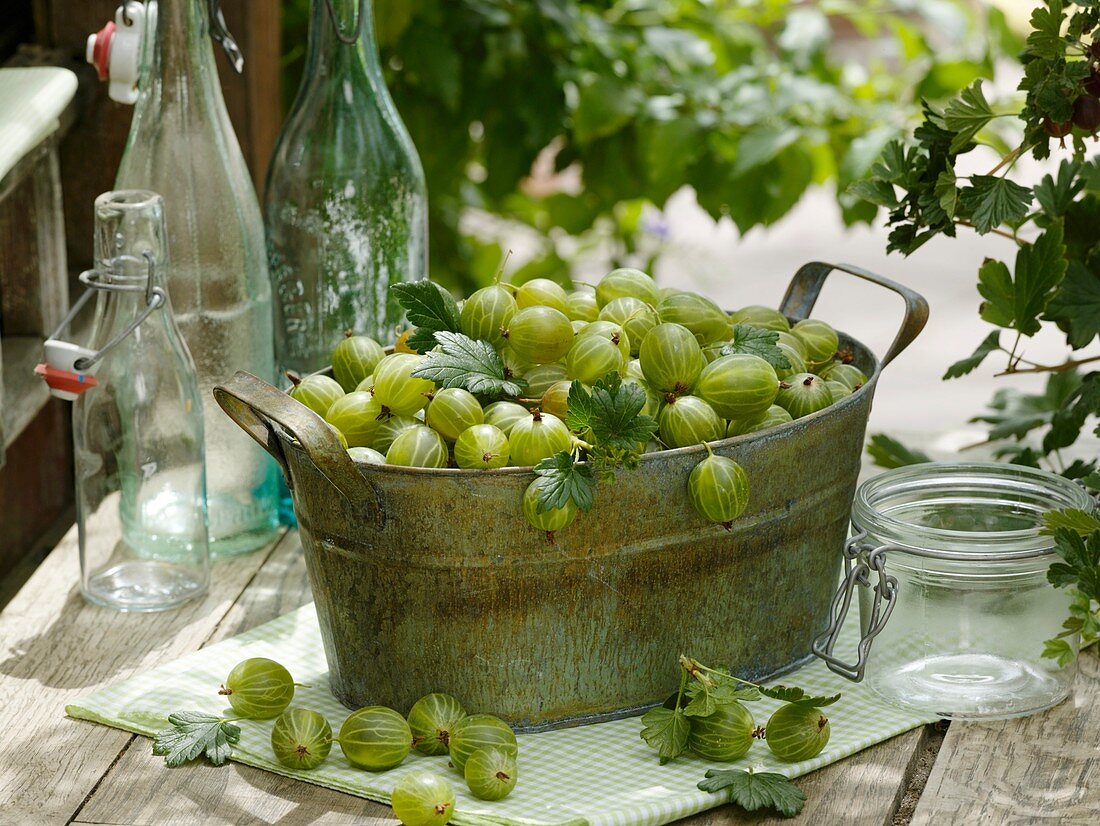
(182, 145)
(138, 434)
(345, 204)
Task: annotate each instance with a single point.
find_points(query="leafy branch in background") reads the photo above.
(1053, 279)
(631, 99)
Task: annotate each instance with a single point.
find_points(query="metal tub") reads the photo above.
(432, 580)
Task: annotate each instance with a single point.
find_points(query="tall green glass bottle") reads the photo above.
(345, 204)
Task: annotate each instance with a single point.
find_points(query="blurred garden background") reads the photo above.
(709, 142)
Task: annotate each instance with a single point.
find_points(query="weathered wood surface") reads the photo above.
(54, 648)
(1041, 768)
(24, 394)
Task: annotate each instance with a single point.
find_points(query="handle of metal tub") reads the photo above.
(806, 286)
(256, 407)
(886, 596)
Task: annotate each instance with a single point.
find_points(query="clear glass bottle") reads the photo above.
(345, 204)
(138, 434)
(182, 145)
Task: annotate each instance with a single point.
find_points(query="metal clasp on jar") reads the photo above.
(859, 561)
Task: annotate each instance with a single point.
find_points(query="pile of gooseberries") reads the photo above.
(676, 345)
(482, 748)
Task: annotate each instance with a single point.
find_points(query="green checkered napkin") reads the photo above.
(597, 774)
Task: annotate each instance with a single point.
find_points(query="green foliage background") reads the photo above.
(738, 98)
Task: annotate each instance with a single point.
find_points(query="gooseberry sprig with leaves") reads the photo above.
(612, 432)
(703, 694)
(1054, 277)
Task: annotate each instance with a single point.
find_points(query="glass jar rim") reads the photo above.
(870, 511)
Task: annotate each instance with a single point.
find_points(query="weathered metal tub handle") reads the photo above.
(254, 405)
(886, 595)
(806, 285)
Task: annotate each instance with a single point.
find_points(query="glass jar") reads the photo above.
(960, 607)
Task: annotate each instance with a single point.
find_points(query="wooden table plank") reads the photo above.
(140, 790)
(865, 789)
(1042, 767)
(55, 648)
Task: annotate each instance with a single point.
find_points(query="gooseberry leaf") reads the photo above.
(194, 733)
(667, 731)
(1080, 565)
(612, 412)
(429, 307)
(1060, 651)
(561, 479)
(969, 364)
(459, 361)
(757, 342)
(756, 790)
(967, 115)
(1017, 300)
(704, 700)
(790, 694)
(1046, 38)
(1076, 305)
(992, 201)
(890, 453)
(1055, 194)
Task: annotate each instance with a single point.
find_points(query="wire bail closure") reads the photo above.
(155, 297)
(886, 593)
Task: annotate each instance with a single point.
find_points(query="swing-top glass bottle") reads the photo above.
(182, 145)
(345, 204)
(138, 433)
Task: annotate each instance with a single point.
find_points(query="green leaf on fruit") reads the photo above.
(666, 730)
(430, 308)
(967, 115)
(992, 201)
(789, 694)
(193, 734)
(991, 344)
(1016, 301)
(611, 413)
(890, 453)
(459, 361)
(757, 342)
(756, 790)
(561, 479)
(705, 699)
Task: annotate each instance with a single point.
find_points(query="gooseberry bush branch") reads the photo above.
(1053, 280)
